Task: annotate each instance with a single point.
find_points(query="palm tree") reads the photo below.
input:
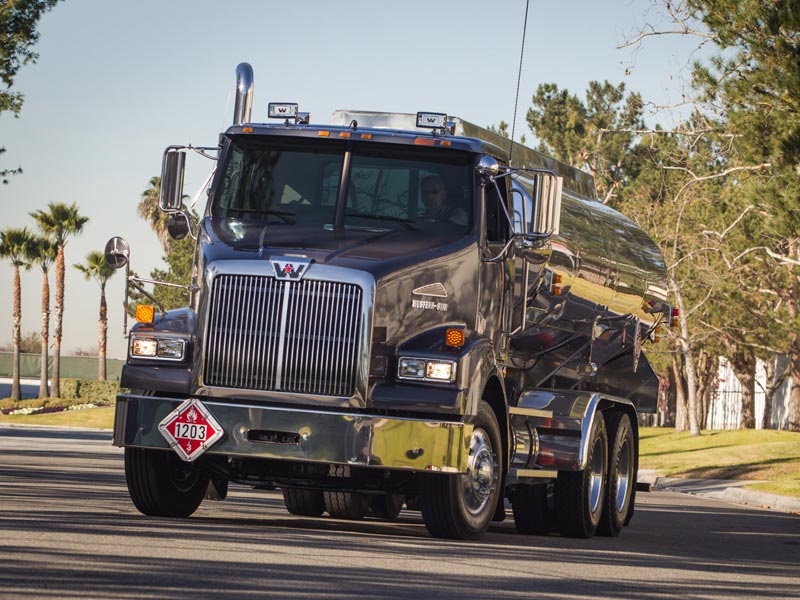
(98, 269)
(15, 245)
(58, 223)
(44, 254)
(149, 211)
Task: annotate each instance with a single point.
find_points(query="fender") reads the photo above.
(475, 366)
(551, 428)
(173, 376)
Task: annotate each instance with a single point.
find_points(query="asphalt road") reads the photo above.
(68, 530)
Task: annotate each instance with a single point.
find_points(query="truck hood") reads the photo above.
(377, 252)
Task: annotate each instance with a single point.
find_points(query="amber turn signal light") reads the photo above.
(454, 338)
(145, 313)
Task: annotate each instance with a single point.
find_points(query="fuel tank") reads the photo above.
(589, 297)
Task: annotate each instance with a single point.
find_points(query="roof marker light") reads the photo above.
(432, 120)
(282, 110)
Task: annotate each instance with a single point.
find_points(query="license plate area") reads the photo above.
(190, 429)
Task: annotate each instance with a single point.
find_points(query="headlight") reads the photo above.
(163, 348)
(422, 369)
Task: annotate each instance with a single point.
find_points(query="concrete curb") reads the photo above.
(727, 490)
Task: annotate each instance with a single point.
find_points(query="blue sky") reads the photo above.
(116, 82)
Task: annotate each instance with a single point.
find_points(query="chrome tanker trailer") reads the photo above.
(383, 313)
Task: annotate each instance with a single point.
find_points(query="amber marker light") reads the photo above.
(454, 338)
(324, 133)
(344, 134)
(446, 143)
(247, 129)
(145, 313)
(366, 136)
(424, 141)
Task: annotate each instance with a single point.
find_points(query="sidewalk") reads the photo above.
(728, 490)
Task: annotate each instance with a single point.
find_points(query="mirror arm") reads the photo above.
(503, 204)
(185, 215)
(133, 282)
(501, 256)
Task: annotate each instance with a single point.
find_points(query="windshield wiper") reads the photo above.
(283, 215)
(406, 223)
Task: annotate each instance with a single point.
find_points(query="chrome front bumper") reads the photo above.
(306, 435)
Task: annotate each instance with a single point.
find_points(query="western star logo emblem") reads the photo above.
(293, 268)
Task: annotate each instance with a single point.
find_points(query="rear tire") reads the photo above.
(461, 507)
(387, 507)
(534, 508)
(580, 494)
(303, 502)
(346, 505)
(621, 479)
(161, 484)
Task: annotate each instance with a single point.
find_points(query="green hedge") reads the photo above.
(99, 392)
(73, 391)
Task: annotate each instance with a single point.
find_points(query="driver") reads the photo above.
(434, 198)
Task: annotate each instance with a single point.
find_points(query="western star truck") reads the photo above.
(395, 310)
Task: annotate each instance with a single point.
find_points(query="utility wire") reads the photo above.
(519, 78)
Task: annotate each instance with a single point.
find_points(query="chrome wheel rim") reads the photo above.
(596, 476)
(480, 480)
(623, 475)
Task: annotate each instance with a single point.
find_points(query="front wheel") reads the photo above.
(161, 484)
(580, 494)
(461, 506)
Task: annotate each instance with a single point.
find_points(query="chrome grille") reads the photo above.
(295, 336)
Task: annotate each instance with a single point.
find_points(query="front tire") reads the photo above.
(580, 494)
(461, 507)
(161, 484)
(621, 481)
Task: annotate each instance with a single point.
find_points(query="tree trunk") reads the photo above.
(16, 392)
(773, 381)
(743, 363)
(55, 387)
(681, 410)
(794, 359)
(688, 362)
(794, 396)
(101, 343)
(708, 366)
(43, 387)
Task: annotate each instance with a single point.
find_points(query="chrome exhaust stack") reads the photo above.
(244, 94)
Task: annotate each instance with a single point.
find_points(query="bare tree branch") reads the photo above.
(686, 30)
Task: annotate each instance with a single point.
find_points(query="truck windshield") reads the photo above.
(291, 182)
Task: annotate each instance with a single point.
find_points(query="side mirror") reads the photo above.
(546, 220)
(488, 166)
(177, 225)
(172, 169)
(117, 252)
